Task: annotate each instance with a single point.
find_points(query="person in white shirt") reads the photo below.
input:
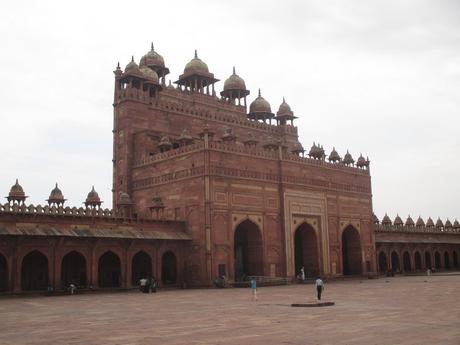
(319, 287)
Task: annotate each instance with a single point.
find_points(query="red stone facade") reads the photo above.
(203, 187)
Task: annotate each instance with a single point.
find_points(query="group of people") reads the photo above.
(148, 285)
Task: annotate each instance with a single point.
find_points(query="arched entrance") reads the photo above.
(351, 251)
(109, 270)
(169, 268)
(3, 274)
(248, 250)
(73, 270)
(418, 261)
(446, 260)
(428, 260)
(437, 260)
(395, 262)
(406, 262)
(383, 264)
(34, 271)
(455, 259)
(306, 250)
(141, 267)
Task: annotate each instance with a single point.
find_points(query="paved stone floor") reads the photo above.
(403, 310)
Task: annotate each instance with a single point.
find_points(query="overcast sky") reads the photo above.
(380, 78)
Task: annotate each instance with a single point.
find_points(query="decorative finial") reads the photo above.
(284, 101)
(259, 93)
(92, 190)
(196, 54)
(132, 58)
(17, 182)
(234, 70)
(56, 185)
(151, 46)
(118, 65)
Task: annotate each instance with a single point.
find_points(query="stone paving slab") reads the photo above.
(402, 310)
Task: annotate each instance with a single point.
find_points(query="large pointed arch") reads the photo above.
(417, 261)
(109, 270)
(34, 271)
(407, 262)
(383, 262)
(428, 263)
(395, 265)
(248, 250)
(73, 269)
(437, 260)
(141, 267)
(351, 251)
(306, 250)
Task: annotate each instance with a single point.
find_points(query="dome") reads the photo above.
(260, 105)
(348, 159)
(93, 196)
(284, 109)
(196, 66)
(150, 74)
(448, 224)
(361, 161)
(409, 221)
(430, 223)
(334, 156)
(298, 148)
(420, 222)
(386, 220)
(170, 86)
(152, 59)
(56, 194)
(398, 221)
(456, 224)
(16, 190)
(439, 223)
(132, 68)
(234, 82)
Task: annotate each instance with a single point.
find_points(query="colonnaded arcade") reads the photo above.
(205, 187)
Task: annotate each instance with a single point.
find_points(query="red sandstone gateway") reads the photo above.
(203, 188)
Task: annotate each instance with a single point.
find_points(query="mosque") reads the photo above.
(204, 187)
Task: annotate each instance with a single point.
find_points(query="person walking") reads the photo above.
(254, 289)
(319, 287)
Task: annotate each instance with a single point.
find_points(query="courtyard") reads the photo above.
(400, 310)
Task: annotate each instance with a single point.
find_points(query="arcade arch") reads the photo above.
(306, 250)
(428, 263)
(169, 268)
(73, 269)
(395, 262)
(418, 260)
(455, 259)
(34, 271)
(141, 267)
(383, 263)
(351, 251)
(406, 262)
(109, 270)
(437, 260)
(248, 250)
(446, 260)
(3, 274)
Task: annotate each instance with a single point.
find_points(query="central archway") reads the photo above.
(248, 250)
(141, 267)
(306, 250)
(34, 271)
(3, 274)
(383, 264)
(351, 251)
(109, 272)
(73, 270)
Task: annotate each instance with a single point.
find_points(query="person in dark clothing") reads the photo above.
(319, 287)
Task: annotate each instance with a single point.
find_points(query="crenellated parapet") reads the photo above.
(409, 226)
(55, 210)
